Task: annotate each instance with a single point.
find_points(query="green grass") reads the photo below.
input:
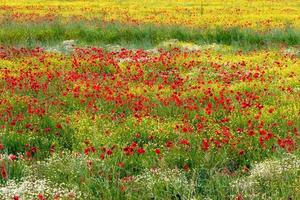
(142, 36)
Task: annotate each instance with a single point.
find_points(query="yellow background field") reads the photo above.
(259, 15)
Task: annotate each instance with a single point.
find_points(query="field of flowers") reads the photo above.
(259, 14)
(85, 114)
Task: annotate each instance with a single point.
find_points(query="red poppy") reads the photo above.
(205, 144)
(239, 197)
(137, 135)
(58, 126)
(102, 156)
(121, 164)
(86, 151)
(134, 144)
(128, 151)
(12, 157)
(109, 152)
(186, 167)
(3, 171)
(185, 142)
(157, 151)
(169, 144)
(241, 152)
(140, 151)
(41, 197)
(16, 197)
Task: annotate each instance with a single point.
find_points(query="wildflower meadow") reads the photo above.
(154, 100)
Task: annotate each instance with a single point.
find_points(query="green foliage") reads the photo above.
(144, 36)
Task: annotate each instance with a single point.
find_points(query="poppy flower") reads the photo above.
(41, 197)
(185, 142)
(169, 144)
(102, 156)
(16, 197)
(109, 152)
(121, 164)
(157, 151)
(128, 151)
(186, 167)
(3, 171)
(140, 151)
(205, 144)
(12, 157)
(241, 152)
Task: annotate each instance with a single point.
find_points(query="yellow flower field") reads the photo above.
(257, 14)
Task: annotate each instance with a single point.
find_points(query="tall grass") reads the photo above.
(145, 36)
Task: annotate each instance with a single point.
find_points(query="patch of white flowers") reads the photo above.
(30, 187)
(35, 183)
(267, 172)
(171, 180)
(292, 51)
(55, 159)
(67, 46)
(173, 176)
(190, 47)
